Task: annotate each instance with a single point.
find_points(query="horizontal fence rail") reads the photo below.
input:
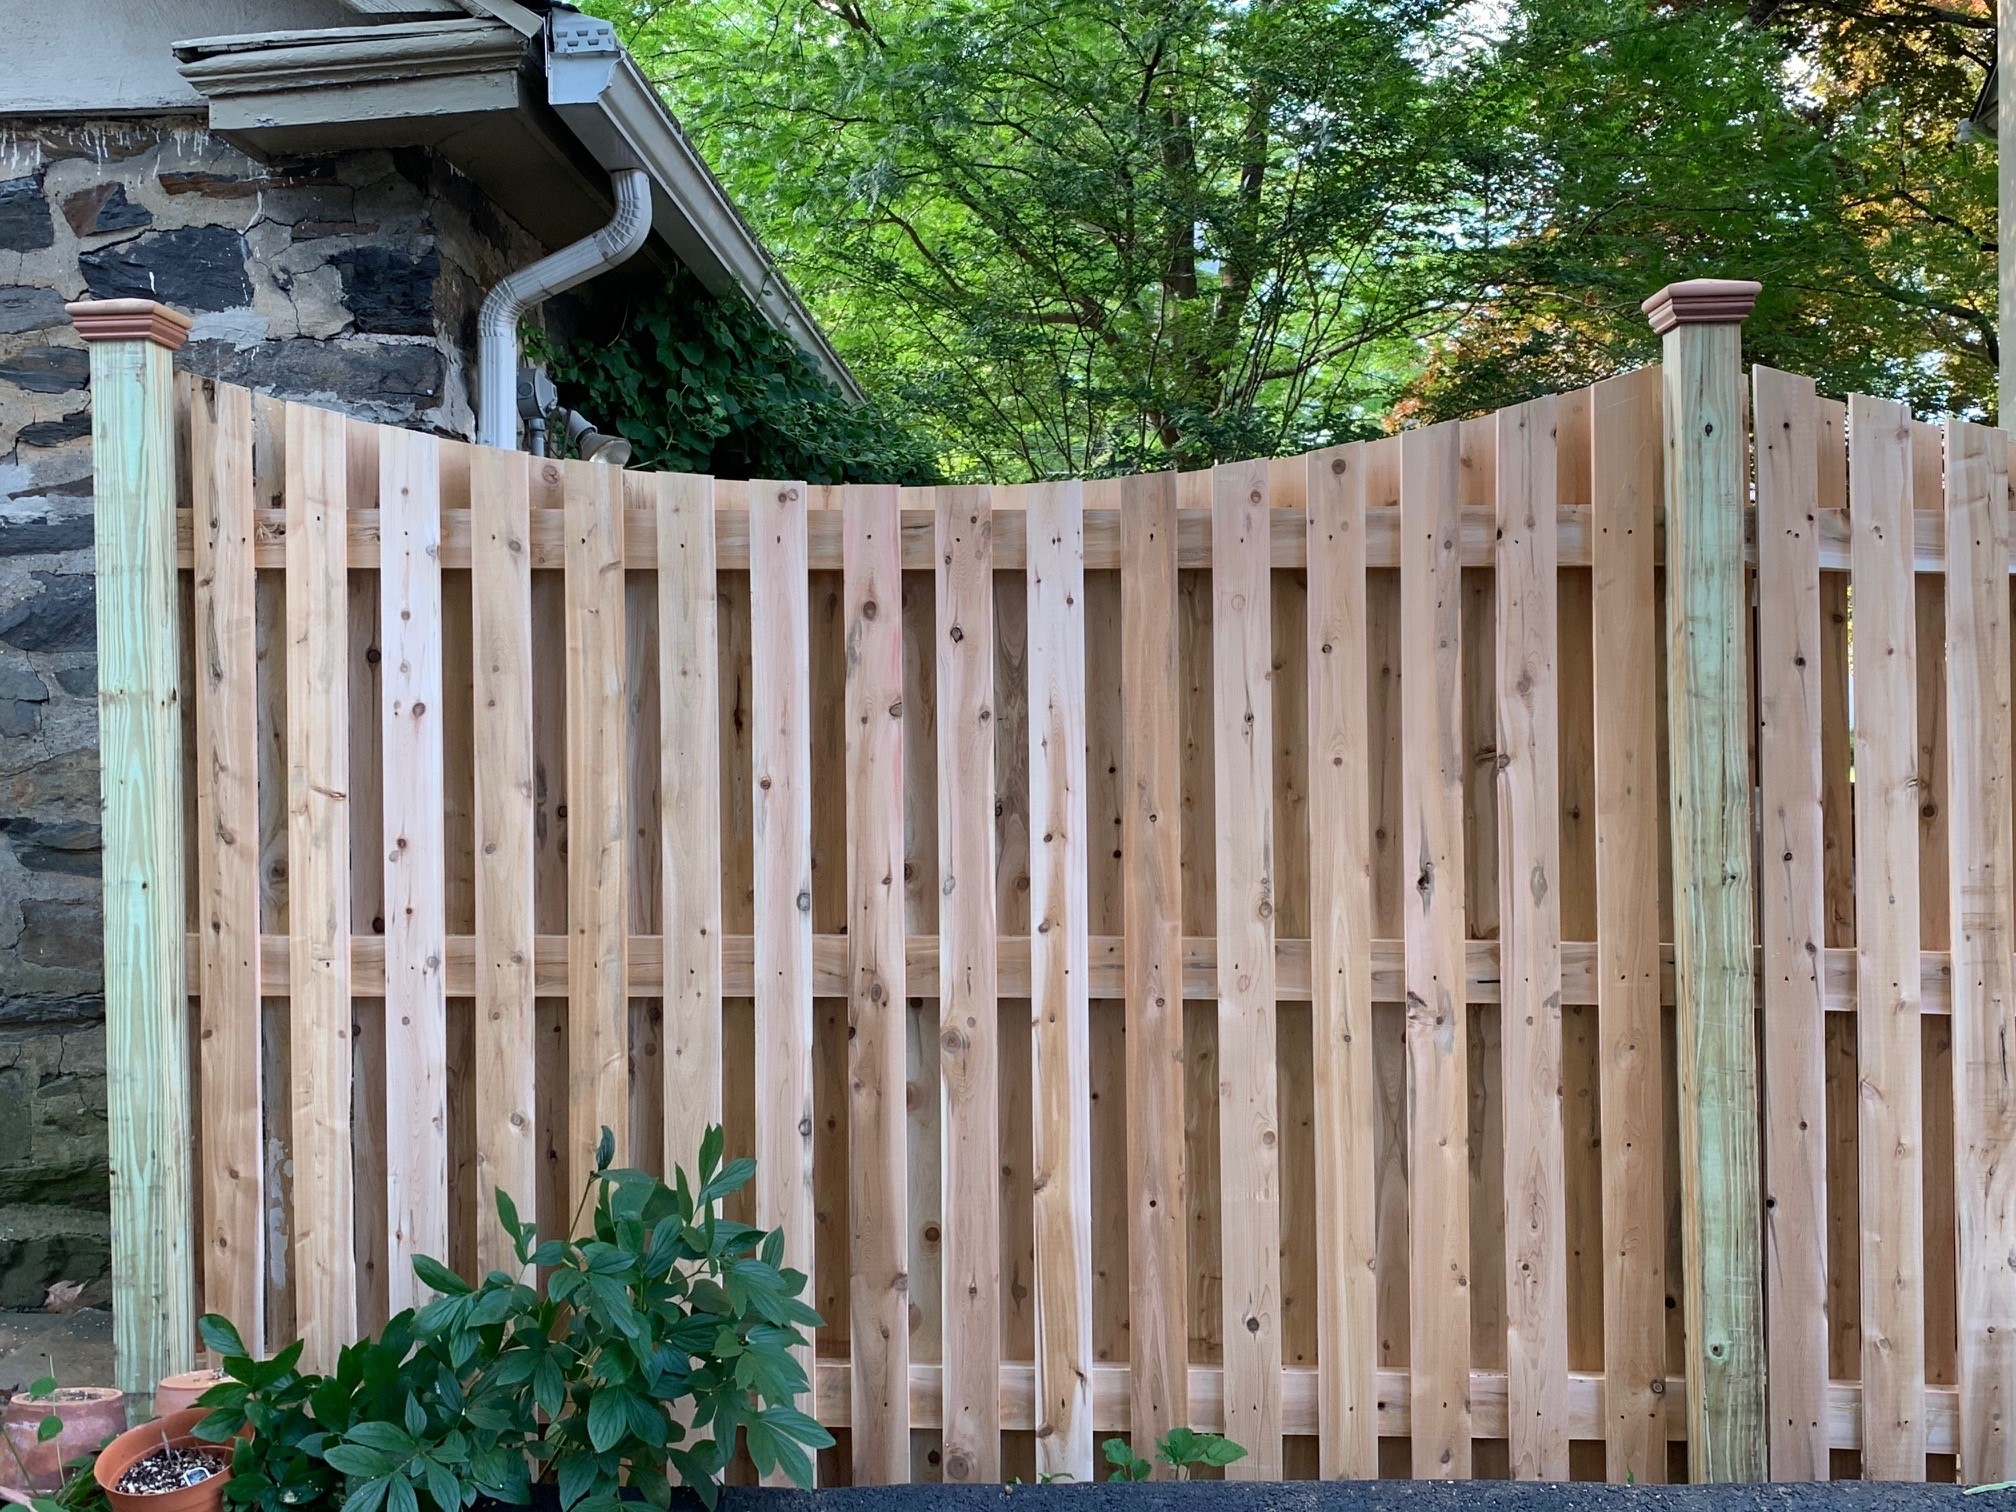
(1185, 950)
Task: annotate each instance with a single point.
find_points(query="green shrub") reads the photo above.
(490, 1388)
(703, 384)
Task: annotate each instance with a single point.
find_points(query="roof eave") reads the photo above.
(470, 88)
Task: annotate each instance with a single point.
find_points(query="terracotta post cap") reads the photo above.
(1701, 301)
(129, 320)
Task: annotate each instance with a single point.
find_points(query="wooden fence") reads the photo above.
(1182, 948)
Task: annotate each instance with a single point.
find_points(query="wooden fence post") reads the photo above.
(140, 761)
(1708, 722)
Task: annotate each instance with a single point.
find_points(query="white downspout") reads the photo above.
(506, 303)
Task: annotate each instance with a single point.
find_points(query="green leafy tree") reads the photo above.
(1080, 236)
(1619, 144)
(1084, 235)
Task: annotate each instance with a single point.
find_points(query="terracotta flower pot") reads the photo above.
(179, 1392)
(90, 1415)
(135, 1444)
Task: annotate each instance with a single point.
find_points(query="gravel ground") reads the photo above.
(75, 1347)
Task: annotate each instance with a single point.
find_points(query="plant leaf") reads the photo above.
(608, 1417)
(438, 1276)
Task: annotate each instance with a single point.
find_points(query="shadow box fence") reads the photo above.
(1182, 949)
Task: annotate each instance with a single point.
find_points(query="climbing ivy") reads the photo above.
(699, 383)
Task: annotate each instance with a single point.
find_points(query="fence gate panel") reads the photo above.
(1184, 950)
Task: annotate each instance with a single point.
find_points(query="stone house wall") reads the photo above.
(351, 280)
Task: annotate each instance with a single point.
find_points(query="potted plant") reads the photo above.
(507, 1389)
(78, 1491)
(83, 1419)
(163, 1466)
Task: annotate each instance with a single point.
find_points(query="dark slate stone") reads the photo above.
(25, 222)
(19, 683)
(42, 537)
(55, 432)
(62, 785)
(389, 293)
(23, 307)
(48, 370)
(405, 374)
(80, 1181)
(102, 208)
(50, 1010)
(22, 695)
(72, 847)
(55, 933)
(194, 268)
(17, 1124)
(79, 682)
(62, 617)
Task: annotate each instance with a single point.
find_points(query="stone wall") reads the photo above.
(350, 280)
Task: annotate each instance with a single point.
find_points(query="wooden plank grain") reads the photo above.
(1436, 1039)
(507, 1132)
(689, 833)
(1529, 912)
(1793, 920)
(598, 1010)
(1248, 1117)
(226, 841)
(781, 764)
(1887, 928)
(1287, 529)
(369, 1117)
(1984, 989)
(1152, 921)
(1625, 455)
(318, 863)
(1710, 808)
(878, 1162)
(968, 1021)
(415, 859)
(1340, 974)
(1059, 968)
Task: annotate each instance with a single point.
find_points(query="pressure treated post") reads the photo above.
(140, 763)
(1708, 722)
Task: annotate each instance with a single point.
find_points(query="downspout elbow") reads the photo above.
(506, 303)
